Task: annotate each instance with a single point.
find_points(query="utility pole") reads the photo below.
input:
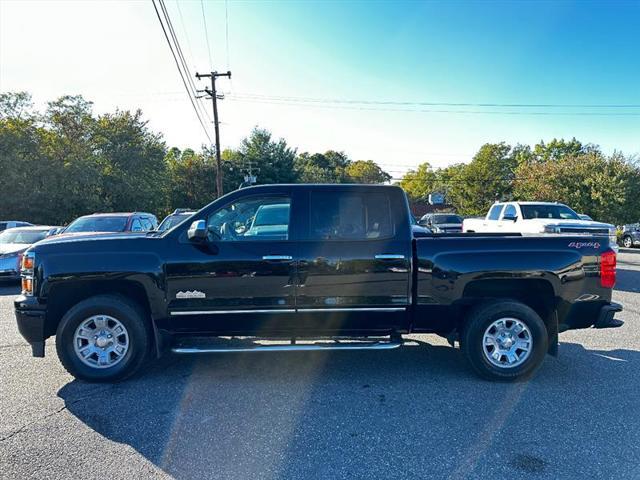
(214, 98)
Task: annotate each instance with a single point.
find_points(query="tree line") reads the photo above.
(66, 161)
(605, 187)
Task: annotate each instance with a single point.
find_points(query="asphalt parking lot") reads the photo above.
(415, 412)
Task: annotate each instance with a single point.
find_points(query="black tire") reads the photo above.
(629, 240)
(479, 320)
(129, 314)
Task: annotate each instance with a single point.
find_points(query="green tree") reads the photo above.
(557, 149)
(191, 179)
(366, 171)
(419, 183)
(489, 177)
(132, 161)
(24, 166)
(272, 161)
(328, 167)
(606, 188)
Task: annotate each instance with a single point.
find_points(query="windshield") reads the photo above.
(439, 219)
(272, 215)
(560, 212)
(98, 224)
(17, 236)
(173, 220)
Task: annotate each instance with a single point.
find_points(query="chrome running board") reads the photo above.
(292, 347)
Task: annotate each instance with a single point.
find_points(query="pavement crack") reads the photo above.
(14, 345)
(53, 414)
(27, 425)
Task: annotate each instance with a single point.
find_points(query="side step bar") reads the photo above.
(297, 347)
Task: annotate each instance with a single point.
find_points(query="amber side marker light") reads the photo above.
(28, 262)
(608, 269)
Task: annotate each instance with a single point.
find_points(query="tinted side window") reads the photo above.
(256, 218)
(349, 216)
(510, 211)
(494, 213)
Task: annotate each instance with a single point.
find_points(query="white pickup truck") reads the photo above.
(535, 218)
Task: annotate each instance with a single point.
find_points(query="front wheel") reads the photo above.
(504, 340)
(103, 339)
(627, 241)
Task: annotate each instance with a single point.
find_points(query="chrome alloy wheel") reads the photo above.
(101, 341)
(507, 343)
(627, 242)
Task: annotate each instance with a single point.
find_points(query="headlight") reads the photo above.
(27, 268)
(435, 229)
(551, 229)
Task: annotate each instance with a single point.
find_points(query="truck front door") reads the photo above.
(241, 279)
(355, 260)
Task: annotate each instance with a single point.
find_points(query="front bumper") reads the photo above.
(30, 316)
(9, 275)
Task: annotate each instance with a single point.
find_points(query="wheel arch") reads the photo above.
(538, 294)
(64, 296)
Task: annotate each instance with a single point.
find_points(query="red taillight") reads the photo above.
(608, 269)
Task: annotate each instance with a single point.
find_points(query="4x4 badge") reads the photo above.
(191, 294)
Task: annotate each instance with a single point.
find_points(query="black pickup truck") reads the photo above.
(309, 267)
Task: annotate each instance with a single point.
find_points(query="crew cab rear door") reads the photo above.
(355, 260)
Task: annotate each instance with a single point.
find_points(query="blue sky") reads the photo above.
(439, 52)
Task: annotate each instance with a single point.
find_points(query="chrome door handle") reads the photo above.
(389, 256)
(277, 257)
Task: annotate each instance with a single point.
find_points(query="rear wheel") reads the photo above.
(627, 241)
(103, 339)
(504, 340)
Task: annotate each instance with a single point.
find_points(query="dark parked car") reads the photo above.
(340, 262)
(13, 243)
(631, 235)
(442, 222)
(113, 222)
(5, 224)
(175, 218)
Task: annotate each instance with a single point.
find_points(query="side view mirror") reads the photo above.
(511, 218)
(197, 231)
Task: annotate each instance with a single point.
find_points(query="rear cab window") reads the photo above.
(494, 213)
(350, 215)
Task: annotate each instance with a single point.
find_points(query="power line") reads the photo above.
(206, 33)
(183, 61)
(184, 82)
(226, 30)
(237, 98)
(434, 104)
(184, 29)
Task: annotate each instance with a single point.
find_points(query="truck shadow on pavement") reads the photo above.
(416, 412)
